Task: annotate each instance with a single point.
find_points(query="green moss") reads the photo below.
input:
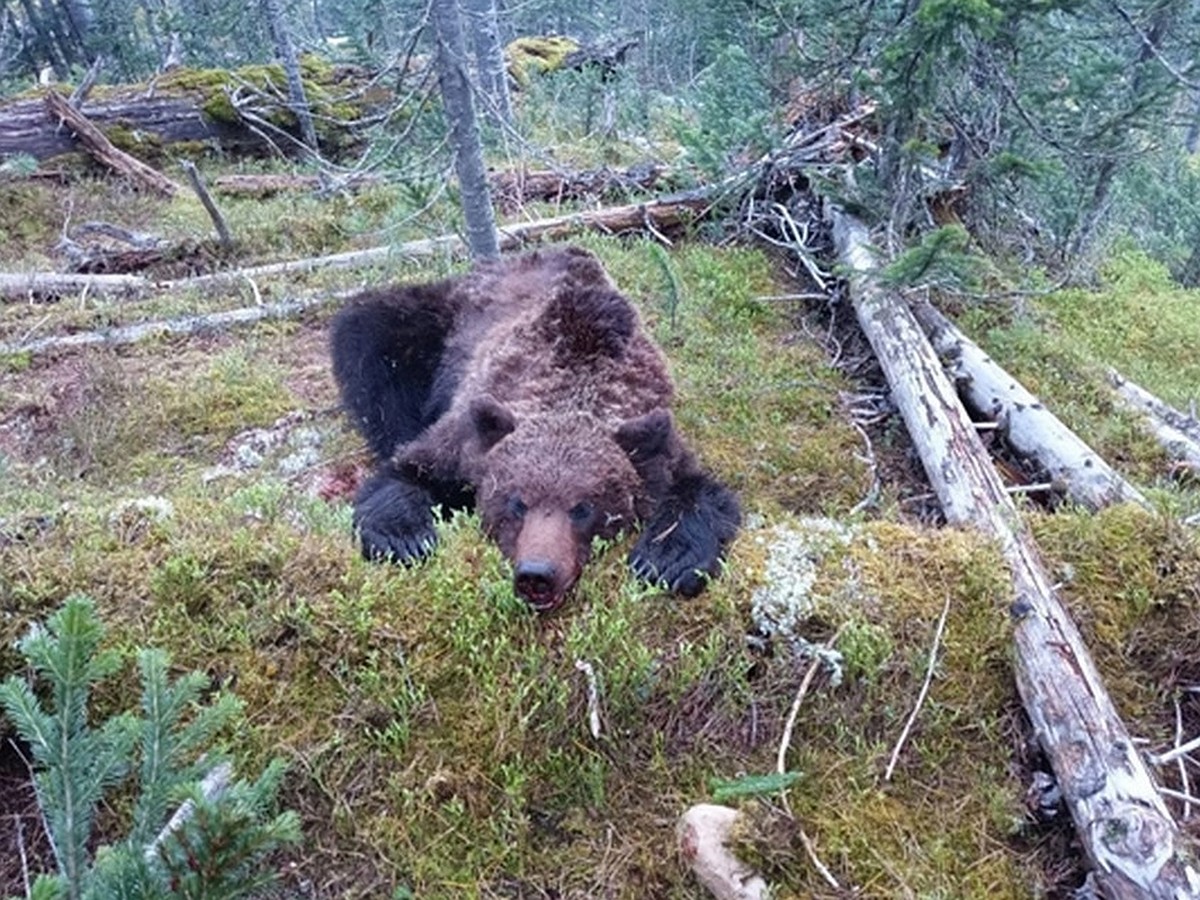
(440, 733)
(530, 56)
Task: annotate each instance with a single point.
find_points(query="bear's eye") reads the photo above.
(516, 507)
(581, 513)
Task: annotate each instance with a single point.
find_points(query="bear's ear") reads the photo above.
(646, 437)
(491, 421)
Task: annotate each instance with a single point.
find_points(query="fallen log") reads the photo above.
(1134, 847)
(1024, 422)
(181, 327)
(663, 215)
(50, 286)
(1177, 432)
(102, 149)
(197, 106)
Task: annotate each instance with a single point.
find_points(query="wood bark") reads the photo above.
(1176, 431)
(464, 131)
(25, 128)
(103, 151)
(489, 59)
(1030, 429)
(174, 108)
(1134, 847)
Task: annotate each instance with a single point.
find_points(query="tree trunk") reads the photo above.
(286, 51)
(1130, 840)
(489, 59)
(1030, 429)
(464, 131)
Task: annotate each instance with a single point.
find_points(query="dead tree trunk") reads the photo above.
(1176, 431)
(1133, 845)
(464, 131)
(102, 149)
(1030, 429)
(489, 59)
(286, 50)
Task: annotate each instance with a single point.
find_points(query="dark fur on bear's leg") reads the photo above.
(683, 542)
(394, 516)
(387, 349)
(394, 519)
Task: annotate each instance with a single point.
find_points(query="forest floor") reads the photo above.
(437, 733)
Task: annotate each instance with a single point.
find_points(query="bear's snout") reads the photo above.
(546, 563)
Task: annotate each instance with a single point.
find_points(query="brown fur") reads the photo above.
(556, 415)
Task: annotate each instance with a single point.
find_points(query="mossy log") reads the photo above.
(188, 106)
(1131, 842)
(102, 149)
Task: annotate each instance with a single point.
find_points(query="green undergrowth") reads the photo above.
(438, 735)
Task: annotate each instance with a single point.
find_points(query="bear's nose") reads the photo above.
(535, 582)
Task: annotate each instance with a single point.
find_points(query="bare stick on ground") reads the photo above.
(1134, 847)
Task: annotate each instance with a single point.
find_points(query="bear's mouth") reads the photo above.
(545, 604)
(538, 583)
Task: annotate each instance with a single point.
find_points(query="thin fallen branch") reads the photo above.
(1176, 431)
(1131, 842)
(922, 694)
(103, 151)
(1030, 429)
(593, 696)
(206, 200)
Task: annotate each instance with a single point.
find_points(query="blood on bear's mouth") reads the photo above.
(537, 582)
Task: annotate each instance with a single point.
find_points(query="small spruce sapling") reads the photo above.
(214, 852)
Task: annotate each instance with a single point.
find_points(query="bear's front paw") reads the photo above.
(394, 522)
(680, 556)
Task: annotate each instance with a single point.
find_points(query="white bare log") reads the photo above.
(1030, 429)
(1134, 847)
(132, 334)
(39, 285)
(703, 833)
(1176, 431)
(657, 215)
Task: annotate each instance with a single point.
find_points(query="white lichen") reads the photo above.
(786, 599)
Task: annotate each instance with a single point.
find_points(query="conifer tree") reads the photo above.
(212, 851)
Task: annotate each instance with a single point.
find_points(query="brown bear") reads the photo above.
(529, 387)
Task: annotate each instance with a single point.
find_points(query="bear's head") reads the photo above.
(548, 485)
